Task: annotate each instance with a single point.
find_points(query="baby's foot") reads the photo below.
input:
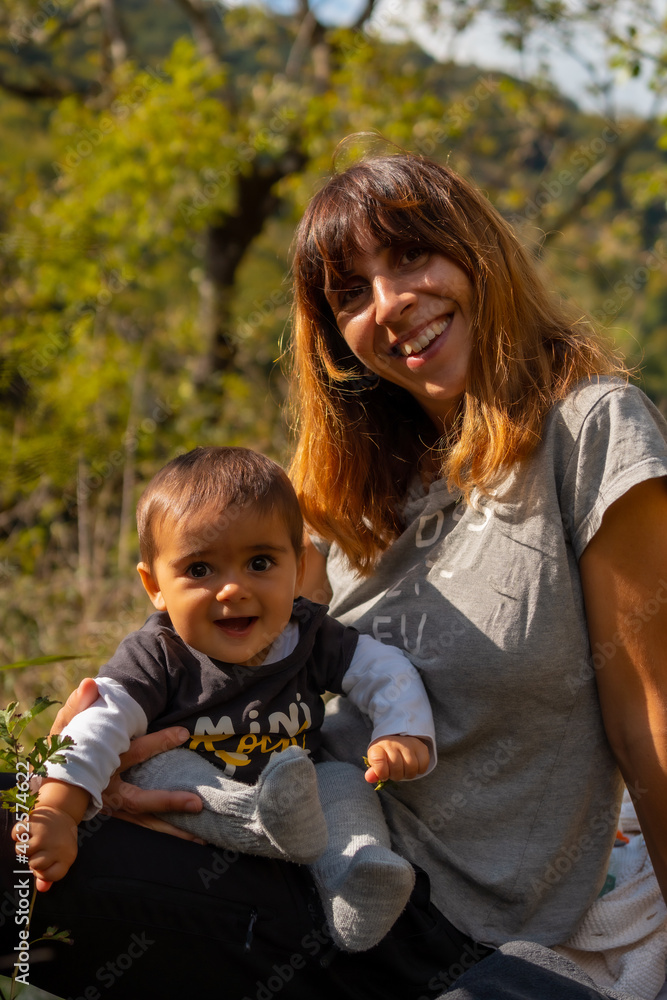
(288, 806)
(366, 902)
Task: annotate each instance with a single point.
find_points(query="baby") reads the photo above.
(239, 659)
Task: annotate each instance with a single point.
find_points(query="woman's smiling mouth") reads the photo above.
(422, 340)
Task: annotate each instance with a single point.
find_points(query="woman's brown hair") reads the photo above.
(360, 443)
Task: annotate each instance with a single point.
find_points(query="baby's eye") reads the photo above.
(260, 564)
(198, 570)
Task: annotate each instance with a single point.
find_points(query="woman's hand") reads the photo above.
(624, 578)
(125, 801)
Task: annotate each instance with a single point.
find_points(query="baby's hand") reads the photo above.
(396, 758)
(52, 846)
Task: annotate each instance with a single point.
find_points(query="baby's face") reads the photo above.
(227, 581)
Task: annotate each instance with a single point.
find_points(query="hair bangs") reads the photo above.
(222, 481)
(367, 209)
(527, 351)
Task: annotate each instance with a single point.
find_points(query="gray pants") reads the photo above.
(525, 971)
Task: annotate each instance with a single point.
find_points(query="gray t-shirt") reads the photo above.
(515, 825)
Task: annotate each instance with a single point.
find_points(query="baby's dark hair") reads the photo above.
(224, 479)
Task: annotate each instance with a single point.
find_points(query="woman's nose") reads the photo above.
(392, 299)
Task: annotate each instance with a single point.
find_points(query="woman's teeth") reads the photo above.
(424, 339)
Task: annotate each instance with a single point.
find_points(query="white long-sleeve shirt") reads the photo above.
(238, 716)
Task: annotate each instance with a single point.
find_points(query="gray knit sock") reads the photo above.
(278, 817)
(364, 886)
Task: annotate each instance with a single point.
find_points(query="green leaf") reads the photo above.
(37, 661)
(55, 935)
(38, 706)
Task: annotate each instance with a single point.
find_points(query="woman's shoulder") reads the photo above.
(604, 400)
(590, 392)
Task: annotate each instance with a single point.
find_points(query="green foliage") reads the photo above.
(13, 757)
(20, 799)
(145, 222)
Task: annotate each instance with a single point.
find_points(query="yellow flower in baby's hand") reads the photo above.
(380, 784)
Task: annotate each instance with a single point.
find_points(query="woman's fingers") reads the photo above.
(122, 797)
(80, 699)
(150, 745)
(124, 800)
(152, 822)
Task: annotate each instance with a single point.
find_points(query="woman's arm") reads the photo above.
(126, 801)
(624, 578)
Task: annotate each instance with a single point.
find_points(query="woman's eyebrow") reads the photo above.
(344, 280)
(339, 283)
(348, 277)
(353, 281)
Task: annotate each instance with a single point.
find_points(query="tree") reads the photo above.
(145, 224)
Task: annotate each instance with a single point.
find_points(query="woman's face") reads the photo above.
(404, 311)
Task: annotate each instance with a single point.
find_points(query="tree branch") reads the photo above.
(203, 31)
(78, 14)
(227, 242)
(365, 14)
(594, 179)
(301, 45)
(50, 89)
(113, 26)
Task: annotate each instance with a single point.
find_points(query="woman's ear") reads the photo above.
(151, 586)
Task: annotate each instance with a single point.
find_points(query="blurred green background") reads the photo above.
(156, 155)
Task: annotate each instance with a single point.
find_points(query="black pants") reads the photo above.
(155, 916)
(152, 915)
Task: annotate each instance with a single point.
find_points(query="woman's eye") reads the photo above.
(349, 295)
(260, 564)
(198, 570)
(413, 254)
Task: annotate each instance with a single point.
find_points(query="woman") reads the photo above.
(475, 477)
(495, 504)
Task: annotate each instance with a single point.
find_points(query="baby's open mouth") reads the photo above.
(236, 626)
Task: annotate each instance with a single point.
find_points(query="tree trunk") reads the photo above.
(226, 244)
(83, 530)
(126, 522)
